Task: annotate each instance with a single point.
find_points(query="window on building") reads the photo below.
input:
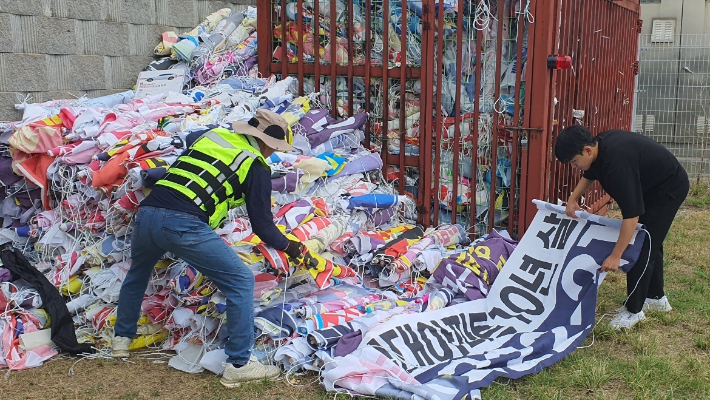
(663, 31)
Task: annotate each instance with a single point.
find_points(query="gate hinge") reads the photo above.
(639, 24)
(422, 210)
(635, 67)
(426, 26)
(425, 9)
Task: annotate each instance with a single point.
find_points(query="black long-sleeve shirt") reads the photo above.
(637, 172)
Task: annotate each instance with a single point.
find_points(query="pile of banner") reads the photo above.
(74, 172)
(378, 305)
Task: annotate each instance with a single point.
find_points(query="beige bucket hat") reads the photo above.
(267, 126)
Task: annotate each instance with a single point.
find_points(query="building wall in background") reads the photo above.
(673, 91)
(55, 49)
(691, 16)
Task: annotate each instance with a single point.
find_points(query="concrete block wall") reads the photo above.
(56, 49)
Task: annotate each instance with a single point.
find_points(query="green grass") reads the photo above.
(665, 357)
(699, 195)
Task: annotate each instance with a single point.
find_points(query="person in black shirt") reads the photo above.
(649, 185)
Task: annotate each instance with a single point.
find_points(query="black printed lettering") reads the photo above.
(498, 312)
(546, 289)
(545, 237)
(508, 331)
(487, 331)
(415, 346)
(532, 265)
(428, 331)
(467, 324)
(551, 219)
(454, 323)
(531, 286)
(563, 233)
(505, 294)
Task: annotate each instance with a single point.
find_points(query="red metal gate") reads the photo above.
(463, 107)
(598, 91)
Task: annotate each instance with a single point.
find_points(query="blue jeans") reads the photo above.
(157, 231)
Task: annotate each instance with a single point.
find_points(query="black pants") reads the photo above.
(642, 284)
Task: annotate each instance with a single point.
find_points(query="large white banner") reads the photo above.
(540, 308)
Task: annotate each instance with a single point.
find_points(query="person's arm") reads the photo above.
(257, 193)
(573, 201)
(626, 190)
(628, 226)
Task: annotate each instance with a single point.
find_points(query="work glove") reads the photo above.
(294, 249)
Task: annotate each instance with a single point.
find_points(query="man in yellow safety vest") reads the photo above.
(219, 171)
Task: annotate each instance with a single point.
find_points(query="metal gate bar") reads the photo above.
(457, 112)
(496, 116)
(426, 136)
(512, 194)
(438, 125)
(538, 92)
(476, 128)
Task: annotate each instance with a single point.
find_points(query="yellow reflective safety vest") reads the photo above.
(212, 169)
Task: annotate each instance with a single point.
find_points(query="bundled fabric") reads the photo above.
(324, 339)
(366, 242)
(372, 202)
(63, 334)
(395, 248)
(473, 271)
(329, 319)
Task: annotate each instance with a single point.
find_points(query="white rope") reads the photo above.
(483, 16)
(527, 13)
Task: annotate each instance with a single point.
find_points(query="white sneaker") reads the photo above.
(119, 346)
(661, 305)
(253, 371)
(626, 320)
